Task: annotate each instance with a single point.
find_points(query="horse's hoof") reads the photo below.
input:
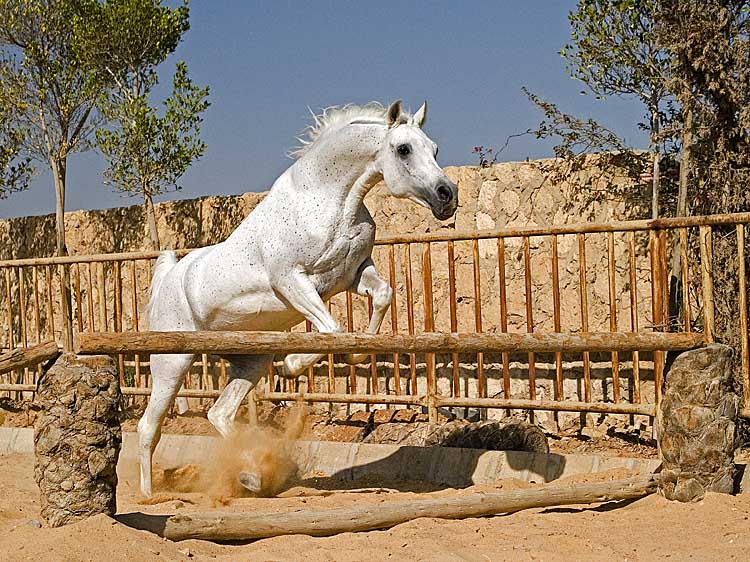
(250, 481)
(286, 373)
(355, 358)
(182, 406)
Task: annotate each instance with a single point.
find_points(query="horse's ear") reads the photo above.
(394, 113)
(421, 115)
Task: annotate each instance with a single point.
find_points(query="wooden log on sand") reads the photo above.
(28, 356)
(218, 526)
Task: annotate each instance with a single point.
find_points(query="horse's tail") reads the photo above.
(164, 263)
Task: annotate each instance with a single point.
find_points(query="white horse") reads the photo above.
(310, 238)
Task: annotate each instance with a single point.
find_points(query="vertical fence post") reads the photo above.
(481, 379)
(559, 390)
(529, 313)
(503, 313)
(412, 386)
(102, 297)
(50, 301)
(634, 317)
(613, 313)
(90, 297)
(67, 312)
(656, 306)
(394, 316)
(707, 281)
(456, 380)
(584, 313)
(117, 272)
(331, 369)
(429, 326)
(350, 328)
(685, 280)
(743, 315)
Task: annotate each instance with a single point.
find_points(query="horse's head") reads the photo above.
(407, 162)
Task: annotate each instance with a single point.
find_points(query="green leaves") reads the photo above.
(613, 49)
(15, 166)
(53, 94)
(148, 153)
(121, 42)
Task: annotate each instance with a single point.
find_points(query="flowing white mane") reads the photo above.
(338, 116)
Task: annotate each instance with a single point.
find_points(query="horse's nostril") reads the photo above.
(444, 193)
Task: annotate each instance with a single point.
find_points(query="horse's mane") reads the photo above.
(335, 117)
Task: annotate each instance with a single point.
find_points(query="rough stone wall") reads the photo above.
(504, 195)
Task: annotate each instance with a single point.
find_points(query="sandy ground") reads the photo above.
(648, 529)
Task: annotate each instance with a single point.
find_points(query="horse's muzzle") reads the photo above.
(444, 200)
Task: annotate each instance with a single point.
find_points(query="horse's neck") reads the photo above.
(345, 185)
(356, 196)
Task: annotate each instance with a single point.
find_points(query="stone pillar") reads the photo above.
(77, 438)
(696, 425)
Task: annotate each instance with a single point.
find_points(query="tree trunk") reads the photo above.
(675, 281)
(686, 163)
(153, 231)
(59, 173)
(59, 170)
(656, 163)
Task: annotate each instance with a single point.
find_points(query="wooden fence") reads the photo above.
(562, 279)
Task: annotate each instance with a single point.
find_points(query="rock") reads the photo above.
(695, 425)
(593, 432)
(491, 435)
(77, 439)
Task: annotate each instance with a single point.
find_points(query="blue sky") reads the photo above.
(267, 62)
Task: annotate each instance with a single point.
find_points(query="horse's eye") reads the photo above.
(403, 149)
(436, 151)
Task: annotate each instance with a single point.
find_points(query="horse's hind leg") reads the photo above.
(167, 373)
(244, 373)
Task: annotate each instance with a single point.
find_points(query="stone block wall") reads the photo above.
(504, 195)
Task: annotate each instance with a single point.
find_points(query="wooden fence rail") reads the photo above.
(544, 288)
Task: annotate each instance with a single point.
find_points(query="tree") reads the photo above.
(16, 169)
(709, 42)
(46, 83)
(124, 41)
(577, 140)
(147, 154)
(614, 51)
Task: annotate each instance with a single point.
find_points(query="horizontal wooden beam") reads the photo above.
(579, 228)
(407, 400)
(28, 356)
(465, 402)
(551, 405)
(440, 236)
(233, 526)
(249, 343)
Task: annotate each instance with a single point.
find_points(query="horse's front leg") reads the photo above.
(301, 294)
(369, 283)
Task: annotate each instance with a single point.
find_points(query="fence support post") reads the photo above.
(707, 281)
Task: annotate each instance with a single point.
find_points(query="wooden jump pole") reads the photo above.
(242, 343)
(221, 526)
